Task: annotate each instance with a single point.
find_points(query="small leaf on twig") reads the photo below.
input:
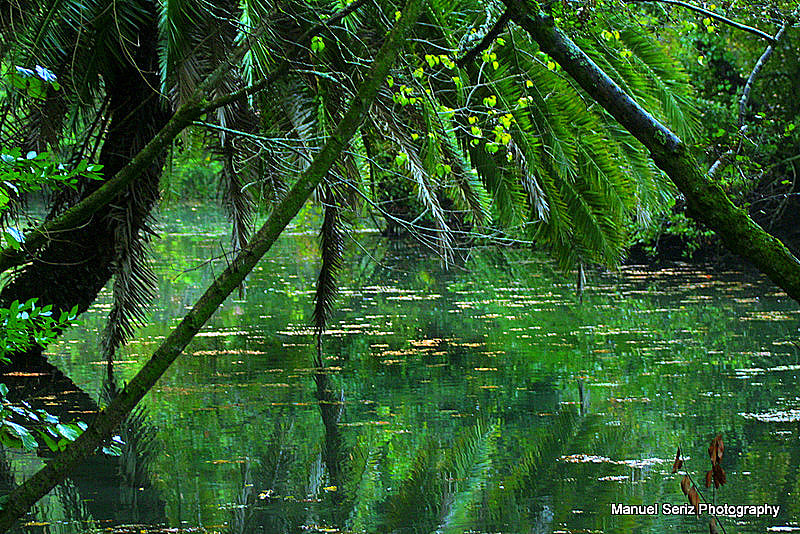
(708, 479)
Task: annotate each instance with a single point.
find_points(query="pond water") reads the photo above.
(484, 398)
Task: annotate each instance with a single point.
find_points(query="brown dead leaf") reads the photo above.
(694, 499)
(708, 479)
(686, 485)
(719, 476)
(678, 461)
(712, 526)
(715, 450)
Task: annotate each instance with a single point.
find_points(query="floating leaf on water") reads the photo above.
(614, 478)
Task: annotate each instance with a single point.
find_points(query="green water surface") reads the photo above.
(483, 398)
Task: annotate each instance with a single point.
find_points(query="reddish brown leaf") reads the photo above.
(719, 476)
(678, 462)
(686, 485)
(708, 479)
(715, 449)
(694, 499)
(712, 526)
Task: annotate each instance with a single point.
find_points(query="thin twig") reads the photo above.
(723, 159)
(710, 14)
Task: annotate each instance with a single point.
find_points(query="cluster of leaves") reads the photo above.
(715, 475)
(45, 426)
(24, 324)
(21, 174)
(35, 171)
(23, 427)
(31, 83)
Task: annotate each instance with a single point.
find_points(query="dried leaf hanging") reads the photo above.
(694, 499)
(686, 485)
(719, 475)
(715, 450)
(678, 461)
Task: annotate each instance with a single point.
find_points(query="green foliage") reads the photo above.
(191, 173)
(22, 427)
(35, 171)
(756, 146)
(26, 82)
(27, 324)
(24, 324)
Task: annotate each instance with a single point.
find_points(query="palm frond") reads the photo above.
(442, 484)
(331, 239)
(426, 188)
(133, 289)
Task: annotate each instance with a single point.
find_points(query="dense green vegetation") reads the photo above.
(578, 129)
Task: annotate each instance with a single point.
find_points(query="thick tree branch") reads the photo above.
(717, 17)
(706, 200)
(24, 496)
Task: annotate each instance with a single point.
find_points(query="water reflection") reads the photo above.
(486, 398)
(105, 489)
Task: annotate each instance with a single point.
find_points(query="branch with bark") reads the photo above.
(706, 200)
(498, 27)
(24, 496)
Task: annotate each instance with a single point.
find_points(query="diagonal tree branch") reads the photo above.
(707, 202)
(744, 101)
(24, 496)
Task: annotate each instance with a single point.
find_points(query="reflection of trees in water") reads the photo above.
(140, 500)
(264, 477)
(115, 488)
(444, 484)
